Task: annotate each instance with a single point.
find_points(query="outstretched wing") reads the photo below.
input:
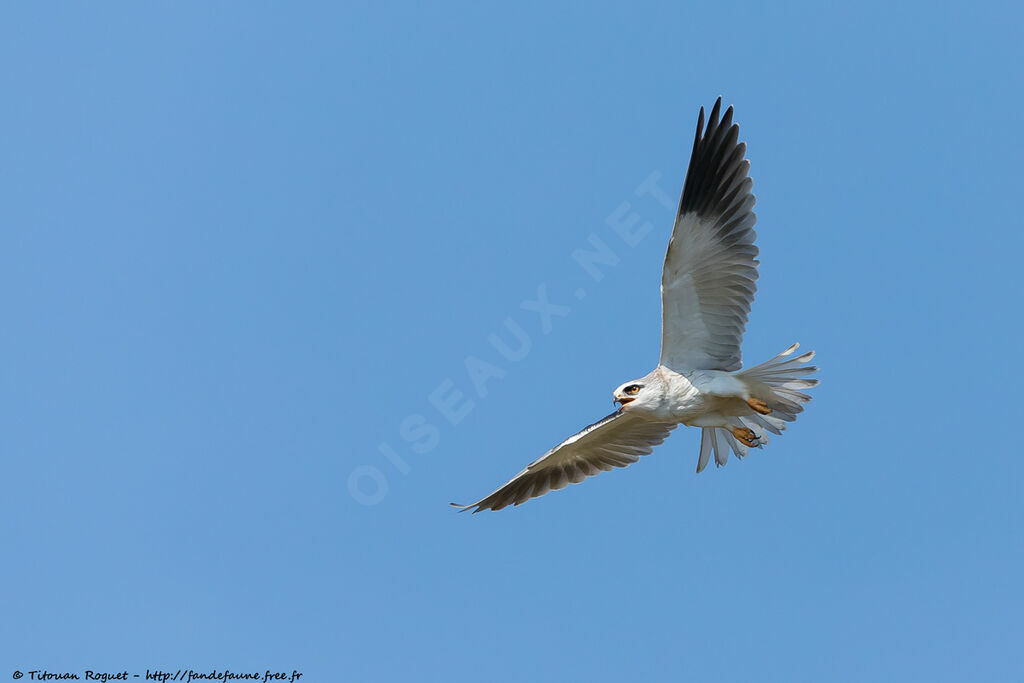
(615, 441)
(708, 283)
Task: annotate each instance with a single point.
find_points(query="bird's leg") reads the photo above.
(758, 406)
(745, 436)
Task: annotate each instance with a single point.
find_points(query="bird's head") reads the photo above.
(629, 392)
(646, 395)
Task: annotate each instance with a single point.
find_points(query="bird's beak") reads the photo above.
(623, 400)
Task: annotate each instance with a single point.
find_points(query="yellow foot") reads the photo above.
(745, 436)
(758, 406)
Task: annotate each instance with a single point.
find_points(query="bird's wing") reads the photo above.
(708, 282)
(615, 441)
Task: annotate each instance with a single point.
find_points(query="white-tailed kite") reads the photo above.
(707, 286)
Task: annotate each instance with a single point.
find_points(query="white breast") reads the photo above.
(683, 397)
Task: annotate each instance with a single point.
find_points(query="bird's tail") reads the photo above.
(777, 384)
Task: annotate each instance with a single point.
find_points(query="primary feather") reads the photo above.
(710, 273)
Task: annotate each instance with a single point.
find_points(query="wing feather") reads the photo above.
(617, 440)
(710, 274)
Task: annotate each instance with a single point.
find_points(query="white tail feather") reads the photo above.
(776, 382)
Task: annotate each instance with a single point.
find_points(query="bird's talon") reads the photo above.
(758, 406)
(745, 436)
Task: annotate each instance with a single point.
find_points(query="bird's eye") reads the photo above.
(632, 388)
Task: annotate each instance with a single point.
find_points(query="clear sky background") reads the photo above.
(243, 244)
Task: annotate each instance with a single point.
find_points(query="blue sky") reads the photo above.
(245, 244)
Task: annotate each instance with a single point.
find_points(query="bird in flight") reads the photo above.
(707, 287)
